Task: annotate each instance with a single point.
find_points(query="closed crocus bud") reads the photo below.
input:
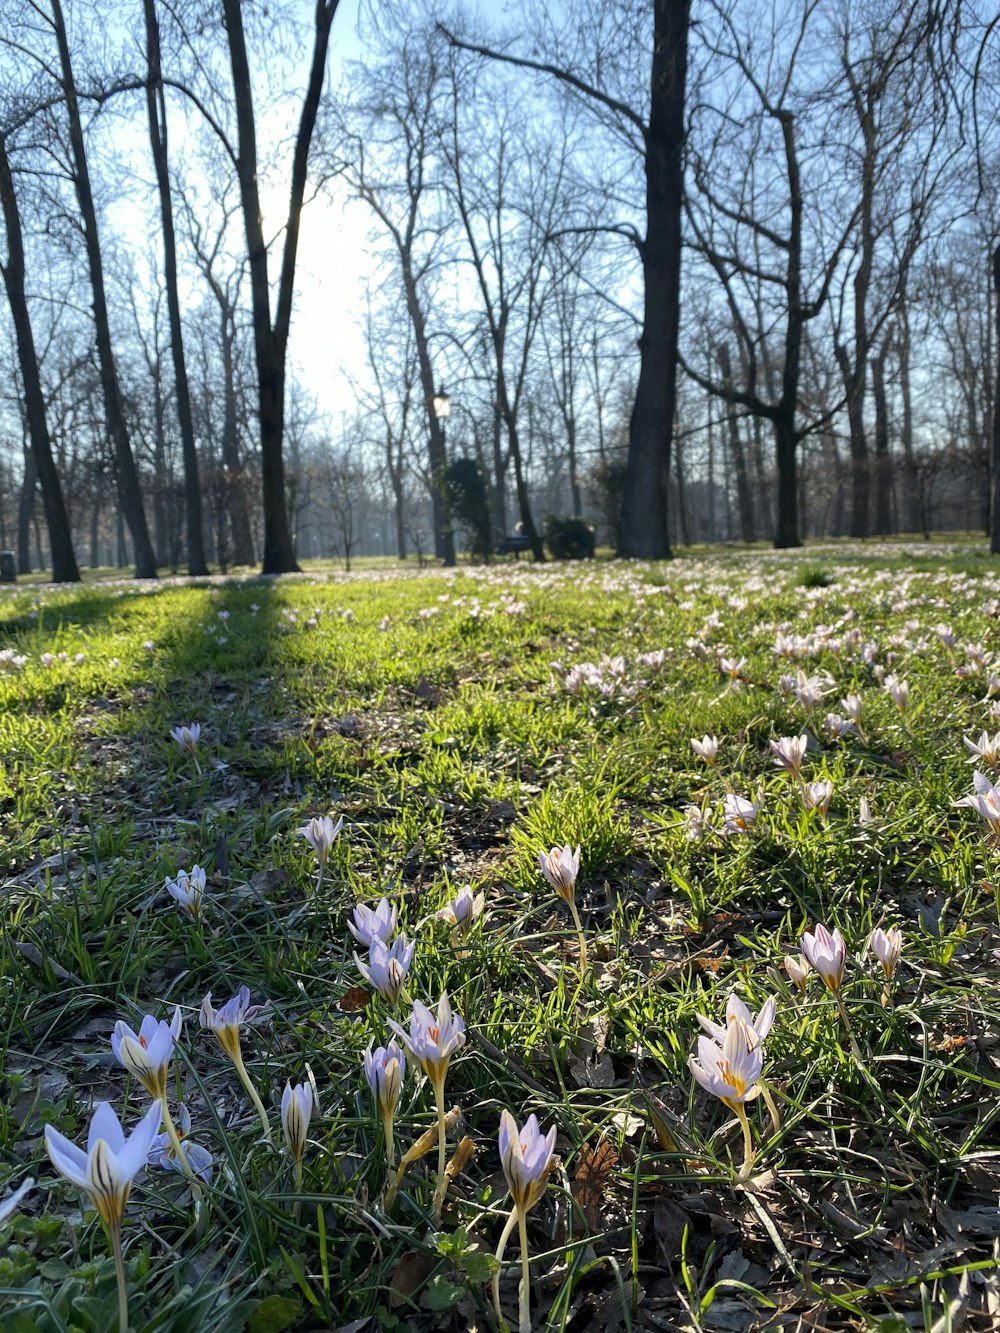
(789, 753)
(464, 910)
(560, 867)
(886, 945)
(826, 954)
(706, 749)
(385, 1067)
(526, 1158)
(798, 971)
(296, 1112)
(187, 737)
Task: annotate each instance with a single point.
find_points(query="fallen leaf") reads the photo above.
(593, 1170)
(354, 1000)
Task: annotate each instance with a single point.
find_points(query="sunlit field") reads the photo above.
(756, 1018)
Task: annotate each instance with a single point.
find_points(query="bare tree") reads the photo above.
(271, 339)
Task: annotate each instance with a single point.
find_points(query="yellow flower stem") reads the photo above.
(579, 930)
(241, 1069)
(114, 1231)
(524, 1290)
(748, 1154)
(442, 1181)
(297, 1171)
(855, 1048)
(177, 1146)
(390, 1145)
(501, 1247)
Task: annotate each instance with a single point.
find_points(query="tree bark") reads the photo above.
(156, 109)
(786, 527)
(995, 513)
(883, 461)
(26, 510)
(743, 496)
(271, 342)
(129, 492)
(644, 527)
(64, 566)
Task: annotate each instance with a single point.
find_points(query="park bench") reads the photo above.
(511, 543)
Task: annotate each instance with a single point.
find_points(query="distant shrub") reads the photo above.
(468, 501)
(568, 538)
(813, 577)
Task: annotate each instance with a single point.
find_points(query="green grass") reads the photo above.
(436, 712)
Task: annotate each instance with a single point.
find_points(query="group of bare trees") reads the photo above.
(689, 268)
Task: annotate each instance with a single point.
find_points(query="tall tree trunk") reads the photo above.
(743, 496)
(156, 109)
(270, 343)
(236, 488)
(64, 567)
(129, 493)
(644, 528)
(786, 528)
(682, 514)
(995, 514)
(162, 499)
(523, 503)
(883, 461)
(26, 510)
(437, 457)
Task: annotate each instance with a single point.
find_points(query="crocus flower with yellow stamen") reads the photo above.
(387, 967)
(432, 1040)
(188, 891)
(106, 1172)
(826, 954)
(526, 1158)
(226, 1023)
(731, 1073)
(560, 866)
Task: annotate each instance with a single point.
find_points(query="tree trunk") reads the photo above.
(270, 343)
(644, 528)
(786, 528)
(162, 500)
(682, 514)
(743, 496)
(437, 457)
(995, 515)
(524, 505)
(883, 461)
(42, 463)
(236, 490)
(26, 510)
(157, 114)
(129, 493)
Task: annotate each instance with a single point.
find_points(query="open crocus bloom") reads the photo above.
(147, 1053)
(985, 801)
(163, 1154)
(463, 910)
(736, 1012)
(826, 954)
(526, 1157)
(373, 922)
(730, 1071)
(560, 867)
(187, 737)
(9, 1205)
(110, 1164)
(226, 1022)
(387, 967)
(296, 1112)
(433, 1040)
(187, 890)
(321, 834)
(789, 752)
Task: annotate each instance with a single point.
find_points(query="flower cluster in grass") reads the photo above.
(697, 839)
